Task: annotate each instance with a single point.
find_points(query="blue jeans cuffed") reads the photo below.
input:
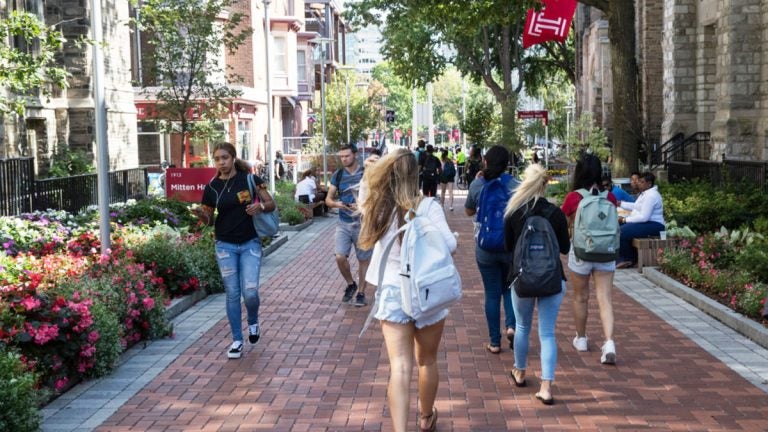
(493, 268)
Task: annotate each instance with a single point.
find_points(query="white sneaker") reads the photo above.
(580, 343)
(235, 350)
(609, 353)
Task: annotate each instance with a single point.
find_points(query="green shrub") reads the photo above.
(705, 208)
(753, 258)
(752, 300)
(200, 260)
(285, 188)
(18, 397)
(162, 253)
(292, 216)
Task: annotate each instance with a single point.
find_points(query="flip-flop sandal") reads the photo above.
(511, 337)
(493, 349)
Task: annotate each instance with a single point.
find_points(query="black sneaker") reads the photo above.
(236, 350)
(360, 300)
(349, 292)
(253, 333)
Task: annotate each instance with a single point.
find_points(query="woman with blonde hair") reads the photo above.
(392, 192)
(529, 199)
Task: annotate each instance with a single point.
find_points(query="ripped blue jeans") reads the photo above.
(240, 265)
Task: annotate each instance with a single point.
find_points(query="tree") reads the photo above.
(484, 38)
(185, 58)
(398, 94)
(363, 113)
(482, 116)
(627, 130)
(28, 66)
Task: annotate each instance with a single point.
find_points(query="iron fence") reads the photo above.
(20, 192)
(17, 178)
(719, 173)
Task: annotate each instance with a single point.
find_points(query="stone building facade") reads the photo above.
(703, 68)
(67, 119)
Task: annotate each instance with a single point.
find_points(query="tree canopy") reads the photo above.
(186, 70)
(483, 39)
(24, 69)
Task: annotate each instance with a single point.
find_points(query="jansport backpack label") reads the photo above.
(490, 214)
(596, 228)
(537, 266)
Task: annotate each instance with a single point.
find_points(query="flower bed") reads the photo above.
(67, 312)
(725, 266)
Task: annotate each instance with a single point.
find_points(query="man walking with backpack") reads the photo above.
(487, 198)
(430, 172)
(592, 214)
(346, 181)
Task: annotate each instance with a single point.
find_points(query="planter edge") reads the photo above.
(736, 321)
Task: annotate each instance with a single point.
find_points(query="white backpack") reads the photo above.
(429, 279)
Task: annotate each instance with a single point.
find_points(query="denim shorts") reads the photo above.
(585, 268)
(388, 308)
(347, 234)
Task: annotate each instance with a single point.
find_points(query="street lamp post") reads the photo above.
(322, 41)
(270, 156)
(568, 109)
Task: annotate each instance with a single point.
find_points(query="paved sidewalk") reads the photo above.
(677, 369)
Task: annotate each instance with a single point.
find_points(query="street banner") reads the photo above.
(187, 184)
(550, 23)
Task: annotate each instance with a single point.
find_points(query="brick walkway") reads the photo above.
(310, 372)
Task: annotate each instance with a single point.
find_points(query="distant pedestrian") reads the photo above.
(529, 199)
(474, 163)
(430, 172)
(585, 177)
(447, 178)
(345, 181)
(393, 191)
(238, 245)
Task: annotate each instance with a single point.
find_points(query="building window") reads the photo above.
(301, 65)
(279, 58)
(244, 139)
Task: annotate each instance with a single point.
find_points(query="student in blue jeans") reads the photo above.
(529, 198)
(238, 245)
(494, 266)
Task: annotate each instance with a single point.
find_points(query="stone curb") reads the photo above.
(727, 316)
(276, 243)
(298, 227)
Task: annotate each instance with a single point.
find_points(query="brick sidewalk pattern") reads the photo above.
(310, 372)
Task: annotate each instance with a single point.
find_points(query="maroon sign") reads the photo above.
(187, 184)
(543, 114)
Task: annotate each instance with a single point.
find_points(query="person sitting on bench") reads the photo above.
(646, 219)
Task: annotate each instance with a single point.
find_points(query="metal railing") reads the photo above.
(21, 193)
(719, 173)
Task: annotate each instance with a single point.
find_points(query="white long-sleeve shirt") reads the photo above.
(647, 208)
(392, 273)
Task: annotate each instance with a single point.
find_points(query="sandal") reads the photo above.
(521, 383)
(493, 349)
(432, 425)
(511, 337)
(546, 401)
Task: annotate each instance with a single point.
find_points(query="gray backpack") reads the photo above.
(596, 229)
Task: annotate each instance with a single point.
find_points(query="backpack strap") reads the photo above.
(382, 266)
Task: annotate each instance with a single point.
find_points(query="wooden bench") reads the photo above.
(648, 250)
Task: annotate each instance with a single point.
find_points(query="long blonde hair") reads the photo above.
(533, 187)
(393, 188)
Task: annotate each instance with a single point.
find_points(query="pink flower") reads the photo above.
(148, 302)
(61, 383)
(30, 303)
(93, 336)
(87, 351)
